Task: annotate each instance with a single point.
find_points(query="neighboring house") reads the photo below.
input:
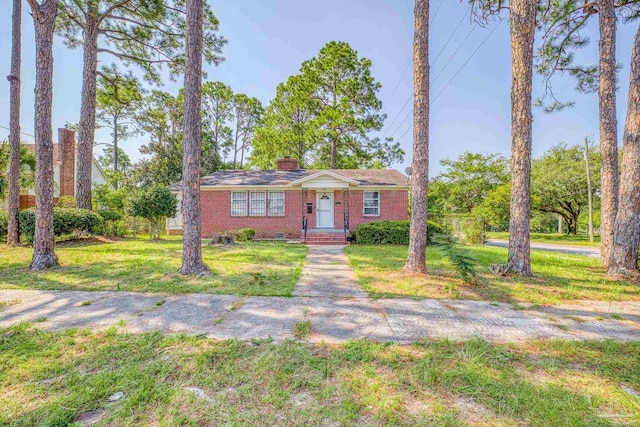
(64, 169)
(321, 205)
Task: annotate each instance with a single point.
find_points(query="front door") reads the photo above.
(324, 210)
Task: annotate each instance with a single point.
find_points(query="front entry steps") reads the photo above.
(325, 237)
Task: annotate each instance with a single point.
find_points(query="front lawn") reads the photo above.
(560, 239)
(68, 378)
(557, 277)
(250, 268)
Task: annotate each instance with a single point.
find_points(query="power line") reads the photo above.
(434, 61)
(23, 133)
(433, 18)
(397, 85)
(454, 54)
(455, 75)
(466, 62)
(448, 40)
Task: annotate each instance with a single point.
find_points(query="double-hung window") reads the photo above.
(257, 203)
(276, 203)
(371, 203)
(238, 203)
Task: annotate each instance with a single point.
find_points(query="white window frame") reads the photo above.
(263, 202)
(364, 206)
(281, 196)
(245, 199)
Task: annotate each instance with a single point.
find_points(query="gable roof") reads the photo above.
(362, 177)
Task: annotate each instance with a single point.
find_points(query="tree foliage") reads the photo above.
(146, 33)
(559, 182)
(154, 204)
(325, 114)
(27, 168)
(466, 181)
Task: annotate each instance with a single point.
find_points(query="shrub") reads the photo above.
(113, 224)
(245, 234)
(392, 232)
(464, 264)
(65, 221)
(4, 224)
(154, 204)
(473, 232)
(66, 202)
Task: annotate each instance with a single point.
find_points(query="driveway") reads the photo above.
(591, 251)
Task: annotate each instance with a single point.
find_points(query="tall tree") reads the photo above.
(13, 204)
(217, 110)
(559, 183)
(467, 180)
(161, 118)
(44, 18)
(149, 34)
(118, 96)
(289, 127)
(522, 23)
(191, 226)
(248, 115)
(608, 128)
(626, 240)
(416, 258)
(345, 95)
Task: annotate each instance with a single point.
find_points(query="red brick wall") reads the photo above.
(216, 216)
(27, 201)
(216, 212)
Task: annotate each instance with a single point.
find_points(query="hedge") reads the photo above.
(392, 232)
(65, 221)
(4, 224)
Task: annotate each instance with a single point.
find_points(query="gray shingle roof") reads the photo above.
(377, 177)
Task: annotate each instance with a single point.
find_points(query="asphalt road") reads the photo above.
(591, 251)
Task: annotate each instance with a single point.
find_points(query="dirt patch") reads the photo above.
(87, 241)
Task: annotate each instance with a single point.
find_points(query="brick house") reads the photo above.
(319, 206)
(64, 169)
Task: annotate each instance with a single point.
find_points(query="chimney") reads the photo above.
(287, 164)
(67, 158)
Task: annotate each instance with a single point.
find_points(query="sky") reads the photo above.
(269, 39)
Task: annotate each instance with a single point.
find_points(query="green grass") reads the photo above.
(557, 277)
(248, 268)
(564, 239)
(58, 379)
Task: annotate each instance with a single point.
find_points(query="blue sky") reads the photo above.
(269, 39)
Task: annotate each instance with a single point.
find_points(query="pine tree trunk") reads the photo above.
(608, 128)
(522, 27)
(44, 19)
(13, 202)
(115, 150)
(191, 226)
(626, 238)
(86, 135)
(416, 259)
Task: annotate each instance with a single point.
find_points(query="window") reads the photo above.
(254, 203)
(276, 203)
(257, 203)
(238, 203)
(372, 203)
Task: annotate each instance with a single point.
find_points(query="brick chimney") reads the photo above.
(287, 164)
(67, 157)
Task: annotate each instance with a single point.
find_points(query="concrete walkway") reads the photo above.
(326, 273)
(329, 297)
(592, 251)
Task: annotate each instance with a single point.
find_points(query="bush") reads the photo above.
(66, 202)
(4, 224)
(113, 224)
(245, 234)
(392, 232)
(65, 221)
(473, 233)
(154, 204)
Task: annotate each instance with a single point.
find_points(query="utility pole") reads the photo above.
(588, 169)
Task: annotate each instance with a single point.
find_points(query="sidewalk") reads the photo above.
(333, 320)
(591, 251)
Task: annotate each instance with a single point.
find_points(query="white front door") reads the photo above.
(324, 210)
